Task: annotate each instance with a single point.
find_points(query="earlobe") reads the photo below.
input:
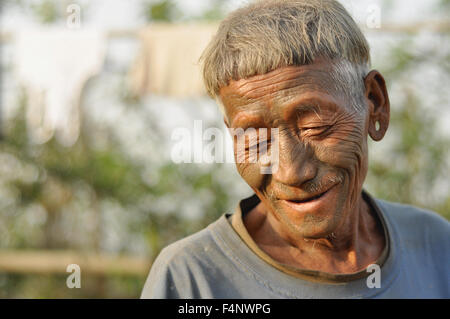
(378, 103)
(377, 130)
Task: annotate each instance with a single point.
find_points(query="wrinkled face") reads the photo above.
(322, 146)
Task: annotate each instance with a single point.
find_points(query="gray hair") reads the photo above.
(269, 34)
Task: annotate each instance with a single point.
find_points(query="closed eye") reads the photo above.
(315, 131)
(262, 145)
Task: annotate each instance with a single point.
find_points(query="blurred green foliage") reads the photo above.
(82, 180)
(110, 175)
(46, 10)
(168, 11)
(416, 162)
(160, 11)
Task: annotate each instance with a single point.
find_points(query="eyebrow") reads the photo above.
(251, 120)
(303, 105)
(313, 104)
(303, 108)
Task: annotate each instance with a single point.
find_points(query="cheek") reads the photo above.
(345, 149)
(251, 173)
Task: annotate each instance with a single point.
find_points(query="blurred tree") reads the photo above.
(169, 11)
(108, 175)
(214, 12)
(415, 164)
(80, 197)
(46, 11)
(162, 10)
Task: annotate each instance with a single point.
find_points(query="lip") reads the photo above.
(312, 202)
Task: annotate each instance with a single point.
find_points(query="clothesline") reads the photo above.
(437, 26)
(53, 65)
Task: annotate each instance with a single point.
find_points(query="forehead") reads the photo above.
(275, 92)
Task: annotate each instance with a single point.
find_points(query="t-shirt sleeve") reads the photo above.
(160, 283)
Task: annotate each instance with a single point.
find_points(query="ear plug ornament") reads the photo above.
(377, 126)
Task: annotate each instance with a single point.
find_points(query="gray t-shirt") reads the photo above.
(216, 263)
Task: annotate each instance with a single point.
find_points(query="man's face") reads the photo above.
(322, 146)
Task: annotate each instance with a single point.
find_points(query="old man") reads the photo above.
(310, 230)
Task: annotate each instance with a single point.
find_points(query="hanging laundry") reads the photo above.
(53, 65)
(167, 63)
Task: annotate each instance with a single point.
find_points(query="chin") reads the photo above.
(316, 218)
(313, 226)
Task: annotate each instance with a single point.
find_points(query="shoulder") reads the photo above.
(179, 266)
(416, 223)
(411, 214)
(194, 247)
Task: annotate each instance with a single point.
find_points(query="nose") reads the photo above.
(296, 162)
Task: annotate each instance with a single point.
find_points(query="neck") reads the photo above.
(354, 244)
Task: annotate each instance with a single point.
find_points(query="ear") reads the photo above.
(378, 103)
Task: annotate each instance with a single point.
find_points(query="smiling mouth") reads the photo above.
(310, 199)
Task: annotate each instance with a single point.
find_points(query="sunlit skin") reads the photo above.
(312, 214)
